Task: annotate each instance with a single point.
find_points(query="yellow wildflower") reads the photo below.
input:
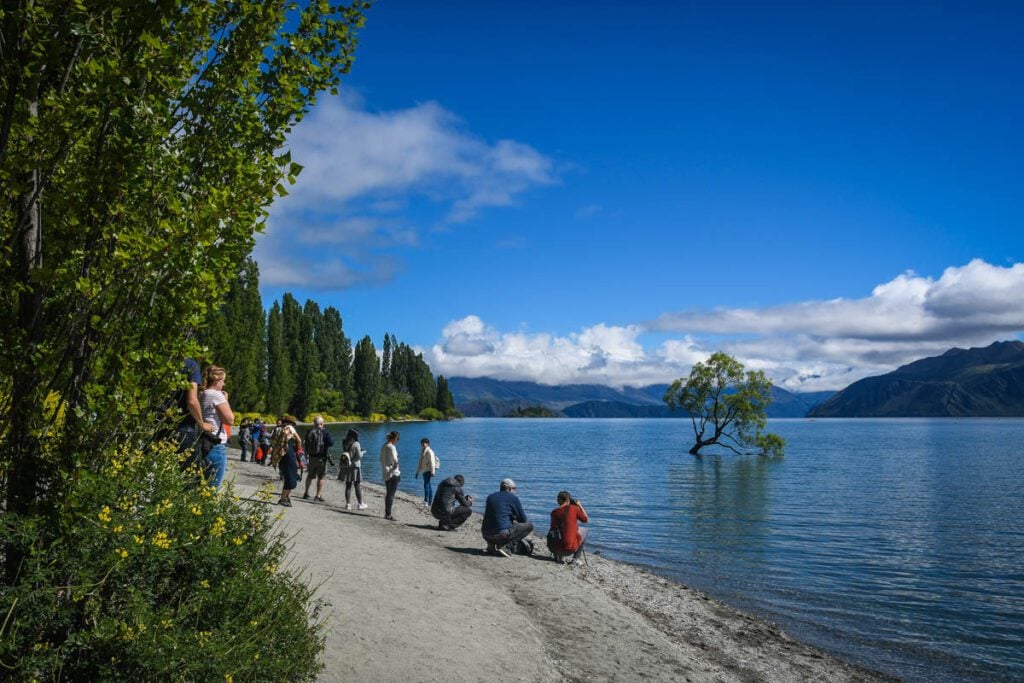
(218, 527)
(118, 529)
(139, 539)
(239, 540)
(196, 510)
(166, 623)
(204, 583)
(104, 514)
(122, 553)
(161, 540)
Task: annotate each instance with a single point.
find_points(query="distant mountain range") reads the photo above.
(980, 382)
(485, 397)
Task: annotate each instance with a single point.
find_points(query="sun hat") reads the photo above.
(288, 419)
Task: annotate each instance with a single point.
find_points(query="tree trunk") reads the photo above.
(22, 443)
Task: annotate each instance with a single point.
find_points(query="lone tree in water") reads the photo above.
(727, 406)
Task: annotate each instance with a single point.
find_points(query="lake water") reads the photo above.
(897, 544)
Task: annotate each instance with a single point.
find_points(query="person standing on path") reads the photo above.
(389, 472)
(245, 440)
(504, 520)
(318, 443)
(287, 458)
(217, 412)
(350, 468)
(427, 466)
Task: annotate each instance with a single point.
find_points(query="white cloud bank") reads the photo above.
(363, 170)
(804, 346)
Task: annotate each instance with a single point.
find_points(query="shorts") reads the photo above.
(317, 467)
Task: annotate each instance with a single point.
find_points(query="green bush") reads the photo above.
(431, 414)
(146, 575)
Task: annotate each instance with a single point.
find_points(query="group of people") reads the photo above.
(505, 524)
(202, 436)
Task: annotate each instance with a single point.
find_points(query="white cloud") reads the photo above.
(601, 354)
(364, 170)
(805, 346)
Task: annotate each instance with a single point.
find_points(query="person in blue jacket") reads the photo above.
(505, 521)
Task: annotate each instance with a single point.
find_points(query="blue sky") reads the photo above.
(607, 192)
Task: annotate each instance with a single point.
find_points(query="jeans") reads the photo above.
(428, 490)
(216, 465)
(391, 486)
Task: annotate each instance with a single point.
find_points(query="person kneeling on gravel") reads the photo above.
(504, 520)
(451, 507)
(565, 537)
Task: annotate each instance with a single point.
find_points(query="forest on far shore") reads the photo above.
(297, 359)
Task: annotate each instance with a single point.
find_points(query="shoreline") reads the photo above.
(403, 600)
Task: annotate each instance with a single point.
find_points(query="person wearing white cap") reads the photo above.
(504, 520)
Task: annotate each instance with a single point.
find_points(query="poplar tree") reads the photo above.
(366, 376)
(310, 380)
(141, 144)
(443, 399)
(280, 378)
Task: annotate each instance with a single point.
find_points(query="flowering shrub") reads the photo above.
(147, 575)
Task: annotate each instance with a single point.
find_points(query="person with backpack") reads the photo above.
(451, 508)
(505, 523)
(257, 437)
(427, 466)
(287, 446)
(350, 468)
(390, 473)
(565, 537)
(318, 442)
(245, 440)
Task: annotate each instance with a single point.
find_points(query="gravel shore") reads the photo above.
(406, 602)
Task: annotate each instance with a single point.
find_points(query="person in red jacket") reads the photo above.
(565, 536)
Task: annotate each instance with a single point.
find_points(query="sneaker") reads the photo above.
(305, 496)
(286, 503)
(347, 506)
(363, 506)
(502, 552)
(319, 498)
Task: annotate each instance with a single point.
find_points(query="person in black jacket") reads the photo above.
(451, 508)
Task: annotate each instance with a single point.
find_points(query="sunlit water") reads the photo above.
(897, 544)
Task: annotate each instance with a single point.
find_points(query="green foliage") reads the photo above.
(235, 337)
(431, 414)
(366, 376)
(147, 138)
(727, 406)
(532, 411)
(144, 576)
(395, 403)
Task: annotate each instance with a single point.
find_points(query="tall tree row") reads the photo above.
(298, 359)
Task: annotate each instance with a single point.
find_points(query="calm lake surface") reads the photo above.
(897, 544)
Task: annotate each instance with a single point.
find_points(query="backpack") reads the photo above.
(344, 460)
(523, 546)
(315, 441)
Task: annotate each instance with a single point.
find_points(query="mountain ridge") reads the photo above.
(977, 382)
(488, 397)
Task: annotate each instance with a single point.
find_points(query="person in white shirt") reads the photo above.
(390, 472)
(216, 412)
(427, 466)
